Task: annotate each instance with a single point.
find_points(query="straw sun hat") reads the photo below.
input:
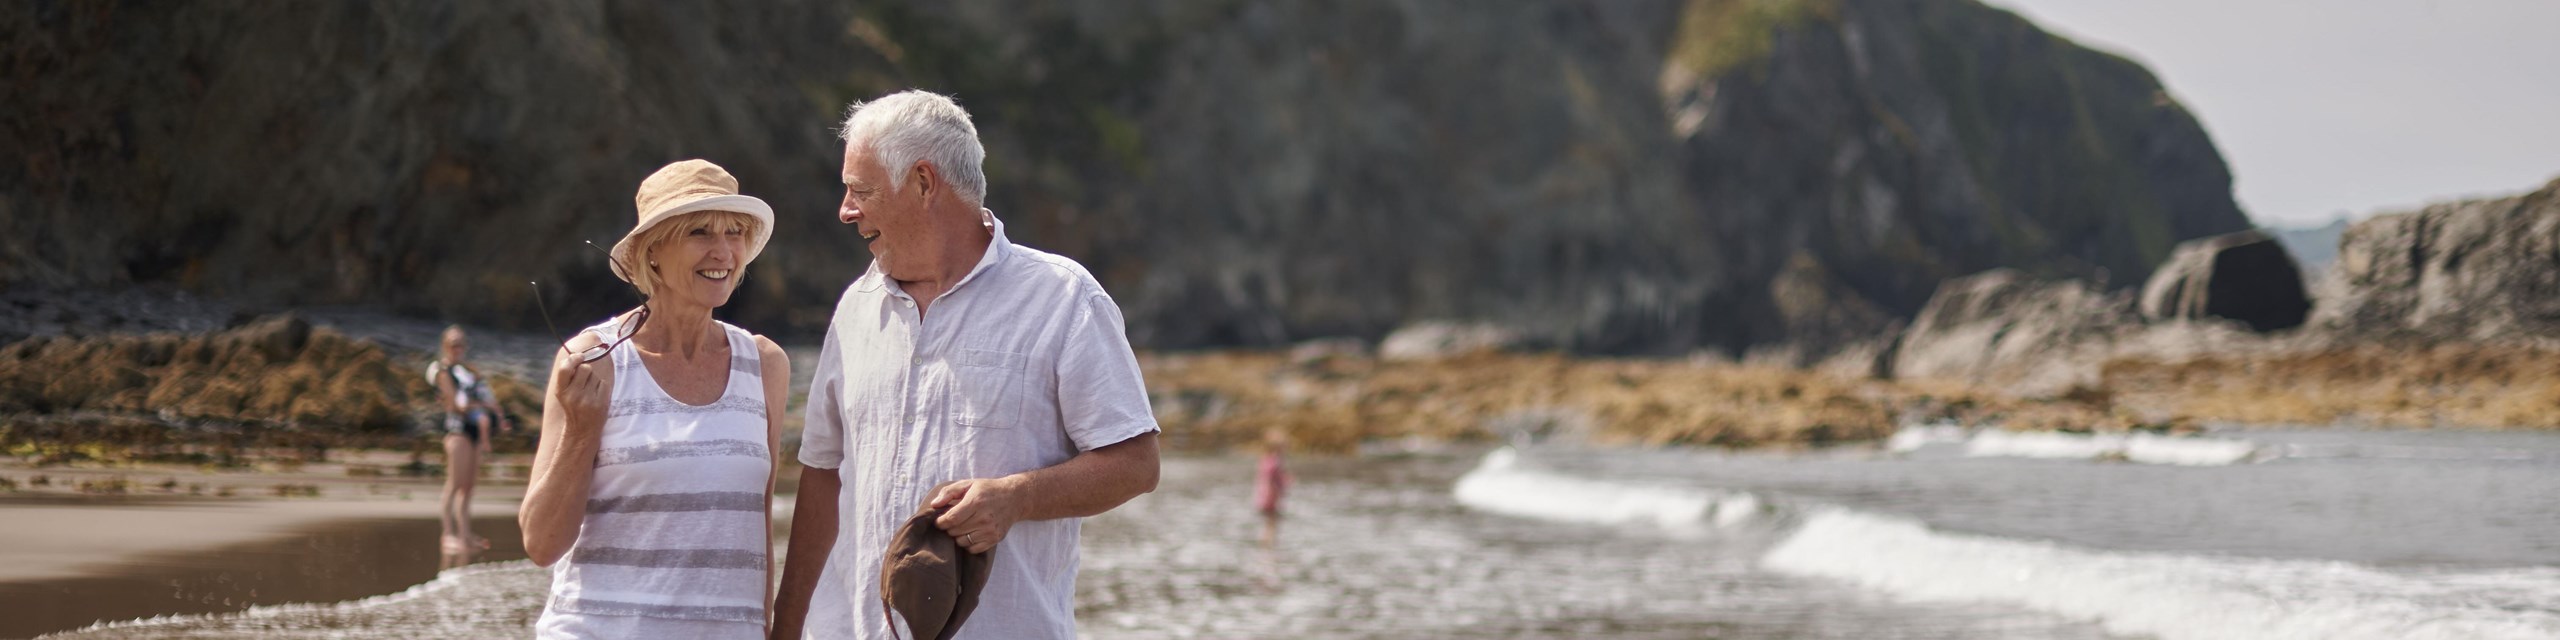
(686, 187)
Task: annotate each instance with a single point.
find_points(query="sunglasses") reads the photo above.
(639, 316)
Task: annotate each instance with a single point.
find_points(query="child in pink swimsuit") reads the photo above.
(1270, 481)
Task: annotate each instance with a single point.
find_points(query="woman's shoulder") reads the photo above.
(770, 353)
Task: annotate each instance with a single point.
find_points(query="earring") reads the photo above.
(653, 264)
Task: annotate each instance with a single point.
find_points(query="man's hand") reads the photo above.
(982, 510)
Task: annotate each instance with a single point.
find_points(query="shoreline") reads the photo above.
(71, 521)
(86, 536)
(105, 544)
(1338, 396)
(71, 561)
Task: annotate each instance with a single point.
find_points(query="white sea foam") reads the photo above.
(2140, 447)
(1913, 437)
(2174, 597)
(1501, 484)
(1991, 443)
(2150, 449)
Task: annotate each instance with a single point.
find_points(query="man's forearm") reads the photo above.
(813, 537)
(1089, 483)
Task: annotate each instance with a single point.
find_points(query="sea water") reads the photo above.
(1951, 534)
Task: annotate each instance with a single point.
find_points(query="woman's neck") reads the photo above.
(684, 331)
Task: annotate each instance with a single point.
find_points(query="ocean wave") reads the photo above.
(1503, 484)
(2171, 596)
(2174, 597)
(1914, 437)
(2137, 447)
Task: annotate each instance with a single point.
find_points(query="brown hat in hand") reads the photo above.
(929, 579)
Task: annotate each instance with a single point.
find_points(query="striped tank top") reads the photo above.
(674, 540)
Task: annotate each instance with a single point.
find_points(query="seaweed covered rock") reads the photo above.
(273, 370)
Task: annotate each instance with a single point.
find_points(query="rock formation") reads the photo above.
(2247, 277)
(1645, 176)
(2485, 269)
(2003, 325)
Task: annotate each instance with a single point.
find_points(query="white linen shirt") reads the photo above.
(1022, 364)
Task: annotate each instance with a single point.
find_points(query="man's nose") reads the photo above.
(847, 213)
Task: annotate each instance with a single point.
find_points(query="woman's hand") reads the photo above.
(584, 393)
(564, 461)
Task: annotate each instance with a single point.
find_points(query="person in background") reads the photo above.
(469, 413)
(1271, 481)
(651, 488)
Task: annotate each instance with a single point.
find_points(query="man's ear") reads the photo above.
(925, 179)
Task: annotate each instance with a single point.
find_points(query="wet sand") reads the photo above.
(69, 561)
(101, 544)
(51, 537)
(300, 552)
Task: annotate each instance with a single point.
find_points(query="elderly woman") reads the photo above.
(651, 484)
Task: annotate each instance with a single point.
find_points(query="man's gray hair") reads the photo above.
(909, 125)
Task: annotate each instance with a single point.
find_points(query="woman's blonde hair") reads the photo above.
(644, 276)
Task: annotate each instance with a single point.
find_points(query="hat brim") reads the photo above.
(626, 255)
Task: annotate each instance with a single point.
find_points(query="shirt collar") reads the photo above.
(873, 279)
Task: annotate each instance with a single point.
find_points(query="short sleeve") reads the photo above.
(822, 424)
(1102, 397)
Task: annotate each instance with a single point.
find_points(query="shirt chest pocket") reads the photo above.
(986, 381)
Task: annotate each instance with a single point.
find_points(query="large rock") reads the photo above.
(2486, 269)
(2003, 326)
(1611, 176)
(2245, 276)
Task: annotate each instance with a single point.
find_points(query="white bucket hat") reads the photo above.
(686, 187)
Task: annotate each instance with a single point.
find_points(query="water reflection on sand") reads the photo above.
(327, 563)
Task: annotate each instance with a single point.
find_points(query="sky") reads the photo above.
(2353, 107)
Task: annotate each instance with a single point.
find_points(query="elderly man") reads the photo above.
(960, 370)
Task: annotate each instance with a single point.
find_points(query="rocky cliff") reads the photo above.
(1642, 176)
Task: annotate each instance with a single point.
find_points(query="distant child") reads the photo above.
(1270, 482)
